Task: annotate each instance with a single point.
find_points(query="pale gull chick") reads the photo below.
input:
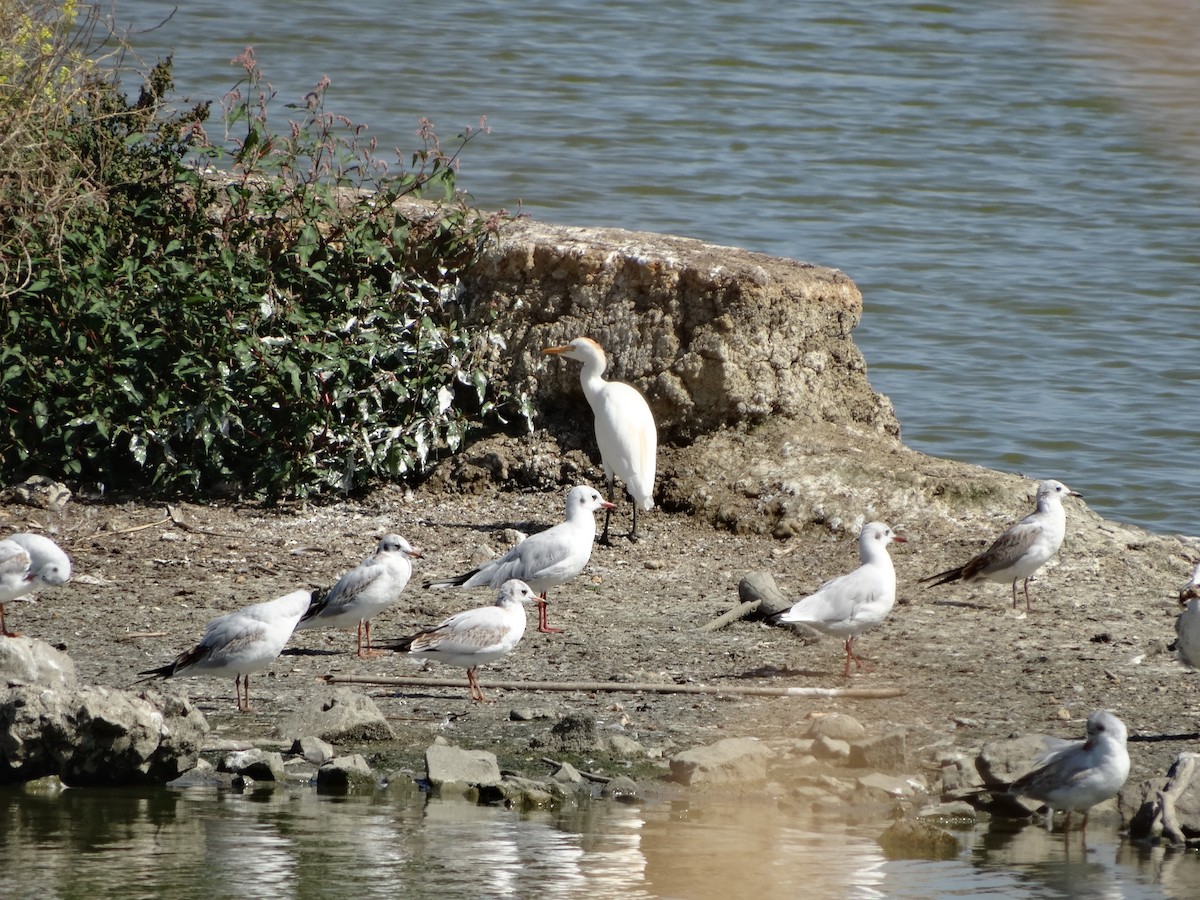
(852, 604)
(1187, 626)
(364, 591)
(1021, 550)
(475, 637)
(240, 643)
(28, 562)
(546, 559)
(625, 429)
(1081, 774)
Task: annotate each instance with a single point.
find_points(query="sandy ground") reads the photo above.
(971, 671)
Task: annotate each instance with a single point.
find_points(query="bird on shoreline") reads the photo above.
(625, 429)
(1076, 777)
(240, 643)
(475, 637)
(27, 562)
(364, 591)
(854, 603)
(1021, 550)
(543, 560)
(1187, 626)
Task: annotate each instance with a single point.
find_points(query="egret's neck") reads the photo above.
(591, 376)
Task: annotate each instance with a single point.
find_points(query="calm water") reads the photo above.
(294, 843)
(1015, 186)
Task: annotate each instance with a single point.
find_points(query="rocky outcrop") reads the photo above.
(714, 336)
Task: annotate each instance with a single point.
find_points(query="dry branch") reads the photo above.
(647, 687)
(1179, 777)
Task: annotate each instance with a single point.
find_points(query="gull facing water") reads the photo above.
(1076, 777)
(546, 559)
(28, 562)
(625, 429)
(1021, 550)
(852, 604)
(475, 637)
(364, 591)
(240, 643)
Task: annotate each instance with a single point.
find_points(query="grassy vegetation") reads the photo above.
(182, 314)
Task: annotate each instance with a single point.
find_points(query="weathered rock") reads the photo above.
(828, 748)
(621, 788)
(344, 773)
(446, 764)
(339, 716)
(838, 726)
(999, 763)
(957, 812)
(885, 753)
(525, 793)
(574, 734)
(313, 749)
(911, 839)
(203, 774)
(258, 764)
(729, 761)
(623, 745)
(760, 587)
(567, 774)
(96, 736)
(889, 786)
(27, 661)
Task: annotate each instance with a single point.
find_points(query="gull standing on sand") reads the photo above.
(1023, 549)
(625, 429)
(27, 562)
(1187, 626)
(546, 559)
(1076, 777)
(475, 637)
(240, 643)
(364, 591)
(851, 604)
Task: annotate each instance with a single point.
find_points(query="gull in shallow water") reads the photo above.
(27, 562)
(546, 559)
(240, 643)
(1081, 774)
(1021, 550)
(854, 603)
(364, 591)
(1187, 626)
(625, 429)
(475, 637)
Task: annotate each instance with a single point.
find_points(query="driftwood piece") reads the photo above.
(1165, 821)
(635, 687)
(757, 593)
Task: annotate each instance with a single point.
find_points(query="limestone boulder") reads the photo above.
(96, 736)
(27, 661)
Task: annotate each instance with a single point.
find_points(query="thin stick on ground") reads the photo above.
(634, 687)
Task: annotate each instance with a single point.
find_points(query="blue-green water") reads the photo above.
(1014, 186)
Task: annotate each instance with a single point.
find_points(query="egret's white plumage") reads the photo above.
(1187, 626)
(1021, 550)
(364, 591)
(240, 643)
(27, 562)
(854, 603)
(546, 559)
(1077, 776)
(625, 429)
(475, 637)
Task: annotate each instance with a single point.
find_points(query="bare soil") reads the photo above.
(971, 670)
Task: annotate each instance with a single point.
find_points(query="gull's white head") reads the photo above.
(584, 499)
(515, 592)
(1051, 488)
(877, 535)
(1104, 726)
(393, 543)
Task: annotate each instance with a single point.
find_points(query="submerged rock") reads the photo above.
(910, 839)
(731, 761)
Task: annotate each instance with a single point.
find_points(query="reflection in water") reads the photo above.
(294, 843)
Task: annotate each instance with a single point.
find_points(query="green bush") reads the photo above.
(257, 313)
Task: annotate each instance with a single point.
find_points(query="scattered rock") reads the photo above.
(830, 749)
(621, 788)
(446, 764)
(1002, 762)
(838, 726)
(911, 839)
(729, 761)
(27, 661)
(567, 774)
(886, 753)
(339, 716)
(574, 734)
(256, 764)
(887, 786)
(313, 749)
(344, 773)
(623, 745)
(96, 736)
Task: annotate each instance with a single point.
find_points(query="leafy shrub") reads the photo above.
(261, 313)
